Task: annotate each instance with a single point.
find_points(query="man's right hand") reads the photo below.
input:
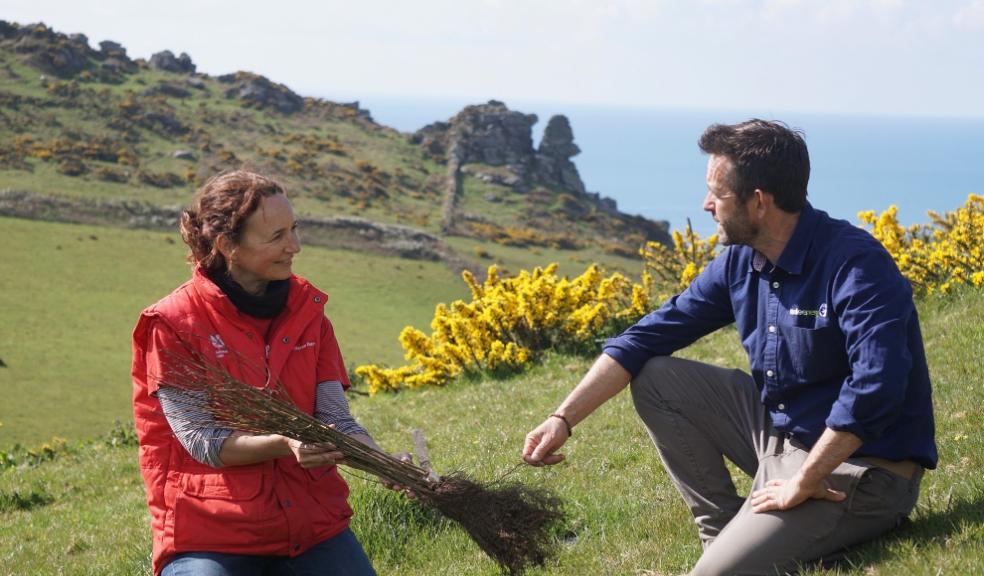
(541, 443)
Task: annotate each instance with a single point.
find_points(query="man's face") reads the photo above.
(733, 223)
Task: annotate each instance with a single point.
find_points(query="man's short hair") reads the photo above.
(768, 156)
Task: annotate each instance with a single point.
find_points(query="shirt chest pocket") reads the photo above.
(812, 354)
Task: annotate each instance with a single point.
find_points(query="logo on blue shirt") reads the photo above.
(821, 311)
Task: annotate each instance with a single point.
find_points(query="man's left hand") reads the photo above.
(786, 494)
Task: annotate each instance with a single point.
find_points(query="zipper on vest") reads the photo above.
(266, 365)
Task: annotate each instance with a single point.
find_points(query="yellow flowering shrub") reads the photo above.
(673, 269)
(508, 321)
(935, 257)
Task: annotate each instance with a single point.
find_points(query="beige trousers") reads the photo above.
(697, 415)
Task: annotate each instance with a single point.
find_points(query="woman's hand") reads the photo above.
(314, 455)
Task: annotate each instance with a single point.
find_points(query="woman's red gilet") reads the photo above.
(271, 508)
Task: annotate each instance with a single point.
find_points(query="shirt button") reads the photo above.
(775, 284)
(781, 406)
(772, 328)
(770, 373)
(286, 340)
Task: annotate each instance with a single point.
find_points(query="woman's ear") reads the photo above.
(225, 247)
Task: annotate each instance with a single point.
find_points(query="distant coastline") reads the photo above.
(648, 161)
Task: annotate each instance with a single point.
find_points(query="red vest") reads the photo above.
(271, 508)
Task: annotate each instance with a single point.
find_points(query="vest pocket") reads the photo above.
(220, 511)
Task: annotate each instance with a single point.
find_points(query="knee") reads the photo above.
(657, 371)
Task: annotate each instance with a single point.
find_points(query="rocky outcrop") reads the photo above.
(65, 56)
(255, 90)
(492, 135)
(552, 165)
(485, 134)
(165, 60)
(55, 54)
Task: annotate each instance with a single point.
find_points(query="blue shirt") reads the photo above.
(831, 333)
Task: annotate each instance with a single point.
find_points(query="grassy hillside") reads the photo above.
(83, 123)
(83, 513)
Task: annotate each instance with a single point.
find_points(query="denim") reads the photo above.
(341, 555)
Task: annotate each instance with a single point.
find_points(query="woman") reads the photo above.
(223, 502)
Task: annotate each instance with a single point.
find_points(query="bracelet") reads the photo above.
(570, 431)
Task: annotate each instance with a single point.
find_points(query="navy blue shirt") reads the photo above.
(831, 333)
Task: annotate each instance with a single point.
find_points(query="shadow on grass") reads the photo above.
(928, 527)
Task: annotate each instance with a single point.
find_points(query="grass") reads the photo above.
(625, 516)
(70, 296)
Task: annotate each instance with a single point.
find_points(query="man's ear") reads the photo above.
(763, 202)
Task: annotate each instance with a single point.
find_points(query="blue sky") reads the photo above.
(839, 56)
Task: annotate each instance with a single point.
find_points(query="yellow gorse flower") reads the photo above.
(938, 256)
(671, 270)
(508, 321)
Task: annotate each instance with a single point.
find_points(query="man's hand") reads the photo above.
(402, 457)
(543, 441)
(785, 494)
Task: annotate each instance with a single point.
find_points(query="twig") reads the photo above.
(420, 449)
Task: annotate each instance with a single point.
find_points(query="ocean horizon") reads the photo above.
(647, 159)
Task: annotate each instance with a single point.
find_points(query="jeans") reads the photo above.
(341, 555)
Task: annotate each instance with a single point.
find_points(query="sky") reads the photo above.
(894, 57)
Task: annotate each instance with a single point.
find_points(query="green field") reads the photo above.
(70, 296)
(83, 512)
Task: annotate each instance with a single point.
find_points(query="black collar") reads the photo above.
(268, 305)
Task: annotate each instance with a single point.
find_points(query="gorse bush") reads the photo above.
(935, 257)
(509, 321)
(673, 269)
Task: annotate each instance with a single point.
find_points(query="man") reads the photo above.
(835, 421)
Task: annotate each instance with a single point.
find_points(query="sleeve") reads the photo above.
(701, 308)
(331, 367)
(192, 425)
(331, 407)
(874, 305)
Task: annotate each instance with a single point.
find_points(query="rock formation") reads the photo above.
(259, 91)
(553, 157)
(492, 135)
(166, 61)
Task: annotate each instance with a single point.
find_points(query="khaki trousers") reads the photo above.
(697, 415)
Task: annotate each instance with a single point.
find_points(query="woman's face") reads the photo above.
(266, 246)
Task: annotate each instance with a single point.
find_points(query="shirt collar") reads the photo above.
(793, 255)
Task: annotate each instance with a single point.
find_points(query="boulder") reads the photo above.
(166, 61)
(110, 49)
(196, 83)
(259, 91)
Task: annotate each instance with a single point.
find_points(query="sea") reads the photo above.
(647, 159)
